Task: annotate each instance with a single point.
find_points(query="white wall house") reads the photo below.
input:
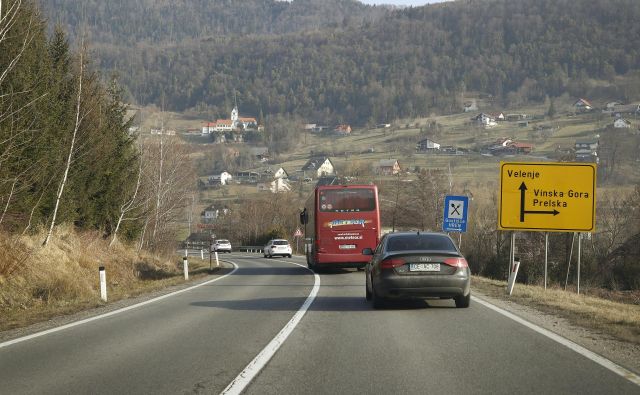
(621, 123)
(318, 167)
(276, 186)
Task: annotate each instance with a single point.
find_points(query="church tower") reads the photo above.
(234, 114)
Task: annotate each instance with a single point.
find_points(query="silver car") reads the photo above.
(417, 265)
(277, 247)
(222, 245)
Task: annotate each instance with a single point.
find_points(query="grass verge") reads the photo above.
(62, 278)
(618, 320)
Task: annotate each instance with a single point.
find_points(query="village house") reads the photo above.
(515, 117)
(582, 105)
(247, 177)
(507, 146)
(209, 214)
(220, 179)
(587, 151)
(278, 185)
(388, 167)
(620, 123)
(498, 116)
(343, 129)
(427, 145)
(318, 167)
(485, 120)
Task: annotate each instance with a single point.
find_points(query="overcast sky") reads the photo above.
(401, 2)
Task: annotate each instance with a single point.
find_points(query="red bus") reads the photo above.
(340, 221)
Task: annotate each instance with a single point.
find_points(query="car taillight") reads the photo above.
(456, 262)
(390, 263)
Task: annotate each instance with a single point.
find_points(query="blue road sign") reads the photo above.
(455, 213)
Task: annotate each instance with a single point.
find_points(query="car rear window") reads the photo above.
(223, 241)
(420, 242)
(280, 242)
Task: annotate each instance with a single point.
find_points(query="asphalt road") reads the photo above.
(200, 340)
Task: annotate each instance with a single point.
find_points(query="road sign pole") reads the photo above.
(546, 255)
(460, 240)
(579, 247)
(512, 252)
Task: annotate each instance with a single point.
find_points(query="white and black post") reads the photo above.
(185, 268)
(103, 283)
(217, 261)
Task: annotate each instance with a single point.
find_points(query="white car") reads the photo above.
(277, 247)
(222, 245)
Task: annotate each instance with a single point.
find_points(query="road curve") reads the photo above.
(192, 342)
(199, 341)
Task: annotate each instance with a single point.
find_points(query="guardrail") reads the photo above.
(255, 249)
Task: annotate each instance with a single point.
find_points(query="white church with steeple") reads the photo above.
(235, 124)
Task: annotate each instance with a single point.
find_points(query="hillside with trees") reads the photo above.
(364, 64)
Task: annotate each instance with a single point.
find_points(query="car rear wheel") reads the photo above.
(463, 301)
(289, 255)
(377, 301)
(367, 293)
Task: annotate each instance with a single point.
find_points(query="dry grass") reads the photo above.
(616, 319)
(37, 283)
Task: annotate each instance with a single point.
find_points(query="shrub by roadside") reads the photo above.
(37, 283)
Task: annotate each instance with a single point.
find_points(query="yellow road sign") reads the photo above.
(545, 196)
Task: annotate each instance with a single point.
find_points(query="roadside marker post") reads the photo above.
(513, 273)
(202, 254)
(217, 261)
(185, 268)
(103, 283)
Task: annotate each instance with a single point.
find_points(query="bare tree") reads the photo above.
(168, 181)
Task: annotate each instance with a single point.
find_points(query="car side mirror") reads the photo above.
(367, 251)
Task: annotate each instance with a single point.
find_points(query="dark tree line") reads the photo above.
(41, 105)
(359, 64)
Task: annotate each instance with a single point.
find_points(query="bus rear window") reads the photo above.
(347, 200)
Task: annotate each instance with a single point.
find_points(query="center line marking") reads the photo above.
(259, 362)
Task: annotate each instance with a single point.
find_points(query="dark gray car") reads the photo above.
(417, 265)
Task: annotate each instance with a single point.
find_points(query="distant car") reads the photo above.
(222, 245)
(417, 265)
(277, 247)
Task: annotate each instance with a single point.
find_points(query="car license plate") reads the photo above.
(424, 267)
(347, 246)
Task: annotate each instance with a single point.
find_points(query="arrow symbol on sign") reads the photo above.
(523, 189)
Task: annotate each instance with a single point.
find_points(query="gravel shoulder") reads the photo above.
(623, 353)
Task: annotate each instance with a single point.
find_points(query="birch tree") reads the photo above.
(134, 202)
(72, 147)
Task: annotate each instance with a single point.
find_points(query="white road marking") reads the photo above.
(612, 366)
(109, 314)
(254, 367)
